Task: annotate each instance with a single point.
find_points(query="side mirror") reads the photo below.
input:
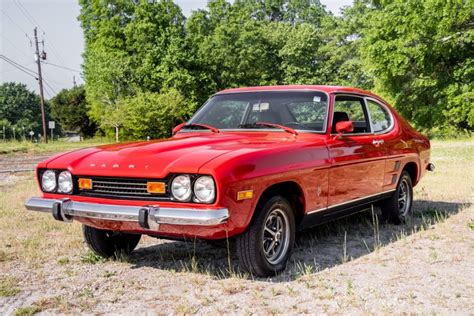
(177, 128)
(344, 127)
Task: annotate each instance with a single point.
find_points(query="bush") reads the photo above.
(154, 114)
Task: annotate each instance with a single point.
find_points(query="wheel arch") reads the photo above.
(412, 169)
(292, 191)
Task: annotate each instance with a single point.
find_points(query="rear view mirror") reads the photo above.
(344, 127)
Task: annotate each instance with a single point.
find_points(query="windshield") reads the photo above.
(300, 110)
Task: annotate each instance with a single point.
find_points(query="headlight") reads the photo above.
(181, 188)
(65, 182)
(48, 181)
(204, 189)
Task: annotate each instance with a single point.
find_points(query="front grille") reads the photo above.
(122, 188)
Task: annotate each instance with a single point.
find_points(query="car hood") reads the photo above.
(156, 159)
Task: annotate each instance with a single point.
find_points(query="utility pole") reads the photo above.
(40, 81)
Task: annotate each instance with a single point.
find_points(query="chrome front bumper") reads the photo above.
(148, 217)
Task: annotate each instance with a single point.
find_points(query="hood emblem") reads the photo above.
(115, 166)
(131, 166)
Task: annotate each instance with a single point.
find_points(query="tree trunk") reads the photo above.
(116, 134)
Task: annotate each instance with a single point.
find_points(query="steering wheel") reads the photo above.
(294, 124)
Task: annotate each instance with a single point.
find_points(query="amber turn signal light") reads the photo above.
(244, 195)
(85, 184)
(156, 187)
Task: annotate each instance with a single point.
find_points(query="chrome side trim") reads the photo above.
(348, 202)
(114, 212)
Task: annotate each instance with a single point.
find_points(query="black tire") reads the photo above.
(250, 244)
(108, 243)
(394, 209)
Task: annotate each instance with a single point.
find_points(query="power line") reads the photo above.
(18, 26)
(9, 70)
(59, 66)
(13, 21)
(32, 20)
(23, 11)
(14, 46)
(49, 86)
(19, 68)
(47, 92)
(17, 64)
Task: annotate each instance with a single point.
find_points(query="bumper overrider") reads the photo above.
(148, 217)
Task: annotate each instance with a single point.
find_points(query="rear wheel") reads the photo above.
(398, 208)
(108, 243)
(265, 247)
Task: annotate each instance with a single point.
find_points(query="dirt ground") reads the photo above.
(351, 266)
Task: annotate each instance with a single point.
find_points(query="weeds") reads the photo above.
(9, 286)
(92, 258)
(344, 249)
(303, 269)
(27, 311)
(376, 228)
(63, 261)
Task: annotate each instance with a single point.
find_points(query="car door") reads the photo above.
(357, 158)
(382, 123)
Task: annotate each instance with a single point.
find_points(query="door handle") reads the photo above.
(377, 142)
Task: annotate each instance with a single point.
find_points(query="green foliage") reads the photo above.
(141, 54)
(420, 54)
(19, 109)
(69, 107)
(155, 114)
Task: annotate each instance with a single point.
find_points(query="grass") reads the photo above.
(39, 245)
(91, 258)
(9, 286)
(26, 147)
(27, 311)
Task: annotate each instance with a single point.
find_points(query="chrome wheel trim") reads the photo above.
(276, 236)
(404, 198)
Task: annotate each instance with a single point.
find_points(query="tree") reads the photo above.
(19, 109)
(132, 47)
(69, 107)
(108, 81)
(420, 55)
(154, 115)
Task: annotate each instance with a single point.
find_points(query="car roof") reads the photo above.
(327, 89)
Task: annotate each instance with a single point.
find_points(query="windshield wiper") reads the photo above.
(191, 125)
(259, 124)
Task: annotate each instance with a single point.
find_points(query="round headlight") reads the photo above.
(181, 188)
(48, 181)
(65, 182)
(204, 189)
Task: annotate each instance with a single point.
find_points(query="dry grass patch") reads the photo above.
(29, 236)
(8, 286)
(354, 265)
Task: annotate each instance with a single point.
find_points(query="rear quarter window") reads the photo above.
(380, 116)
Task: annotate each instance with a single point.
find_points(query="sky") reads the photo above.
(63, 39)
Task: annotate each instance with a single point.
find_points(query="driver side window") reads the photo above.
(348, 108)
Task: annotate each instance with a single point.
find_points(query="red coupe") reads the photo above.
(255, 164)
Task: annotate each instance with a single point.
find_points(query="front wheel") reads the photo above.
(397, 209)
(108, 243)
(265, 247)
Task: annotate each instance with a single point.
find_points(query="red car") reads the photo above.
(257, 164)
